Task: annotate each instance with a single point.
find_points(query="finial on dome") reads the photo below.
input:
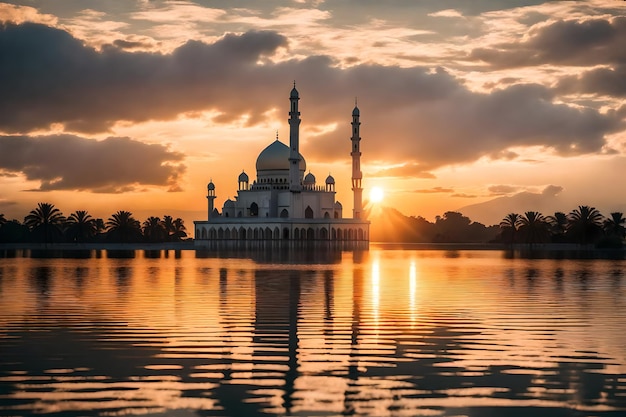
(294, 92)
(276, 134)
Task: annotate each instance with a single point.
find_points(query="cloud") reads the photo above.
(502, 189)
(60, 80)
(20, 14)
(434, 190)
(587, 42)
(112, 165)
(418, 117)
(552, 190)
(599, 81)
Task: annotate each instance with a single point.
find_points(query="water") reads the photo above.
(366, 333)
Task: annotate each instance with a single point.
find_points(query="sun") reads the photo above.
(376, 195)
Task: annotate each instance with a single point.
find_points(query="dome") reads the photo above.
(276, 157)
(294, 92)
(309, 179)
(356, 111)
(243, 177)
(330, 179)
(229, 203)
(338, 205)
(210, 186)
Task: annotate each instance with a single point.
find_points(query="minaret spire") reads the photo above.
(357, 175)
(294, 142)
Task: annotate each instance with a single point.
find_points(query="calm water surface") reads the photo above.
(375, 333)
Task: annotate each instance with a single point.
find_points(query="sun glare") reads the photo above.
(376, 195)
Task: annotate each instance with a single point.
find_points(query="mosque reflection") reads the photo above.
(354, 333)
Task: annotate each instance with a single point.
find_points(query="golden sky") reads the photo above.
(136, 105)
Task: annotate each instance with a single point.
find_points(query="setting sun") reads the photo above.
(376, 195)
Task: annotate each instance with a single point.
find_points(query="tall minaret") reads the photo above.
(294, 142)
(357, 175)
(211, 197)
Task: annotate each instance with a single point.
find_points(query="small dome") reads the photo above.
(229, 203)
(309, 179)
(338, 205)
(294, 92)
(356, 111)
(243, 177)
(276, 157)
(330, 179)
(210, 186)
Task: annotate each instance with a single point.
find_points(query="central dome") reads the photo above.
(276, 157)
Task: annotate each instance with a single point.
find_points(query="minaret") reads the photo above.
(357, 175)
(294, 142)
(211, 197)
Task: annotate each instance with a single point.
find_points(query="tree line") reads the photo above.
(584, 225)
(47, 224)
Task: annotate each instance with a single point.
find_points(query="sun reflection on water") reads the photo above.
(390, 333)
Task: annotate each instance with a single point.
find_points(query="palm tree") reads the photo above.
(168, 225)
(534, 227)
(123, 227)
(558, 226)
(509, 226)
(2, 219)
(585, 224)
(179, 229)
(81, 227)
(615, 225)
(45, 222)
(153, 230)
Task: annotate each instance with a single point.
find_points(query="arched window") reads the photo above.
(254, 209)
(308, 213)
(326, 215)
(310, 234)
(285, 233)
(324, 233)
(284, 214)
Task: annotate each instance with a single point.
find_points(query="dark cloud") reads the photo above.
(66, 162)
(420, 117)
(48, 76)
(601, 81)
(566, 42)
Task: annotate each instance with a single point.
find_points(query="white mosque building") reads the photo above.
(284, 204)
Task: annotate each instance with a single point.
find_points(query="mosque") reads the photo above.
(283, 203)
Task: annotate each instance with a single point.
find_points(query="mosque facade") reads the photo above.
(283, 203)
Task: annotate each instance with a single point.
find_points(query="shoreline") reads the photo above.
(189, 245)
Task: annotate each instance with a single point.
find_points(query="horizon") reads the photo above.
(471, 108)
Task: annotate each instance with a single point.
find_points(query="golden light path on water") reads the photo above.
(384, 332)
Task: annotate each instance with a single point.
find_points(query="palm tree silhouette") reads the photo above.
(615, 225)
(558, 226)
(585, 223)
(153, 230)
(123, 227)
(81, 227)
(168, 225)
(2, 219)
(534, 227)
(179, 229)
(509, 226)
(45, 222)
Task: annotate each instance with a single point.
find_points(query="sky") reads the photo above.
(137, 105)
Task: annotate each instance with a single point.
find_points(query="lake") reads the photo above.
(275, 331)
